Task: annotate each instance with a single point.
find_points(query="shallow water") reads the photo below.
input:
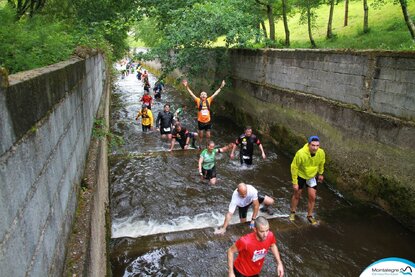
(163, 216)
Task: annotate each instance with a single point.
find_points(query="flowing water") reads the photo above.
(164, 216)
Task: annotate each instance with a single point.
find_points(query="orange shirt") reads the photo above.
(203, 115)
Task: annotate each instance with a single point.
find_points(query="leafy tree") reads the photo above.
(307, 15)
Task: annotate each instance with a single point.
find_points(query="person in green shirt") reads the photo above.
(207, 168)
(307, 169)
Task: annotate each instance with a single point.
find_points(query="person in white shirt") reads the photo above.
(243, 197)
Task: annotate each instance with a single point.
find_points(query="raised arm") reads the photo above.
(276, 253)
(186, 85)
(219, 89)
(226, 148)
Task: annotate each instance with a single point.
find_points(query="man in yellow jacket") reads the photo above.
(147, 120)
(307, 169)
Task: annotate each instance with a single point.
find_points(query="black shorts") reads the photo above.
(165, 131)
(204, 126)
(244, 210)
(182, 141)
(157, 95)
(209, 173)
(244, 160)
(238, 274)
(303, 183)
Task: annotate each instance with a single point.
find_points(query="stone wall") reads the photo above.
(379, 82)
(47, 117)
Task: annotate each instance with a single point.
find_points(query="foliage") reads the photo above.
(100, 131)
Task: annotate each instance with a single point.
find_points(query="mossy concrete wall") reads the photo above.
(46, 119)
(361, 104)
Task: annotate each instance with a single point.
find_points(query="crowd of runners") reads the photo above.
(307, 170)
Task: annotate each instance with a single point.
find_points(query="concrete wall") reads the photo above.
(46, 116)
(379, 82)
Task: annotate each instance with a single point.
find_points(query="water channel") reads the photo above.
(163, 216)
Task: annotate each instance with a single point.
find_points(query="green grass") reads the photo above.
(387, 29)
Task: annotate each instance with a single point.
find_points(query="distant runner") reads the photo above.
(207, 168)
(204, 115)
(307, 170)
(246, 143)
(147, 118)
(147, 99)
(242, 198)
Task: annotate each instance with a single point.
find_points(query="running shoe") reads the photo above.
(311, 219)
(292, 216)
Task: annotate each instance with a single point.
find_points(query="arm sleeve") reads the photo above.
(158, 120)
(323, 161)
(294, 169)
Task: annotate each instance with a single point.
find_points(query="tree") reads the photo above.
(285, 20)
(308, 16)
(329, 24)
(408, 19)
(365, 17)
(346, 12)
(270, 16)
(26, 6)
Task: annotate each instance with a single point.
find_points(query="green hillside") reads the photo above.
(387, 28)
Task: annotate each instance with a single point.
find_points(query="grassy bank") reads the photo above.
(387, 28)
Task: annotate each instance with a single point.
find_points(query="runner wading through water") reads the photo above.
(203, 115)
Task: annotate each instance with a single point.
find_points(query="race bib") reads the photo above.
(246, 157)
(311, 182)
(205, 112)
(147, 103)
(166, 129)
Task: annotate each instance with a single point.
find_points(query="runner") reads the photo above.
(147, 118)
(246, 142)
(204, 115)
(207, 168)
(252, 249)
(147, 99)
(306, 167)
(158, 88)
(183, 136)
(164, 122)
(243, 197)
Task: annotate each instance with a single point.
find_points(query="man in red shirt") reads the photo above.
(252, 249)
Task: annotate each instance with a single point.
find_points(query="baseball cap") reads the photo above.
(313, 138)
(144, 106)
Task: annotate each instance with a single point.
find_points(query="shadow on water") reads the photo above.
(163, 216)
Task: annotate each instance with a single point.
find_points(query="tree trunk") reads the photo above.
(365, 17)
(270, 15)
(408, 20)
(264, 30)
(346, 13)
(329, 24)
(310, 35)
(284, 17)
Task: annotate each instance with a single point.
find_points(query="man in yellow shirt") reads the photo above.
(307, 169)
(203, 114)
(147, 118)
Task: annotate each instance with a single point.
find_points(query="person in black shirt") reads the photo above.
(246, 143)
(164, 122)
(183, 136)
